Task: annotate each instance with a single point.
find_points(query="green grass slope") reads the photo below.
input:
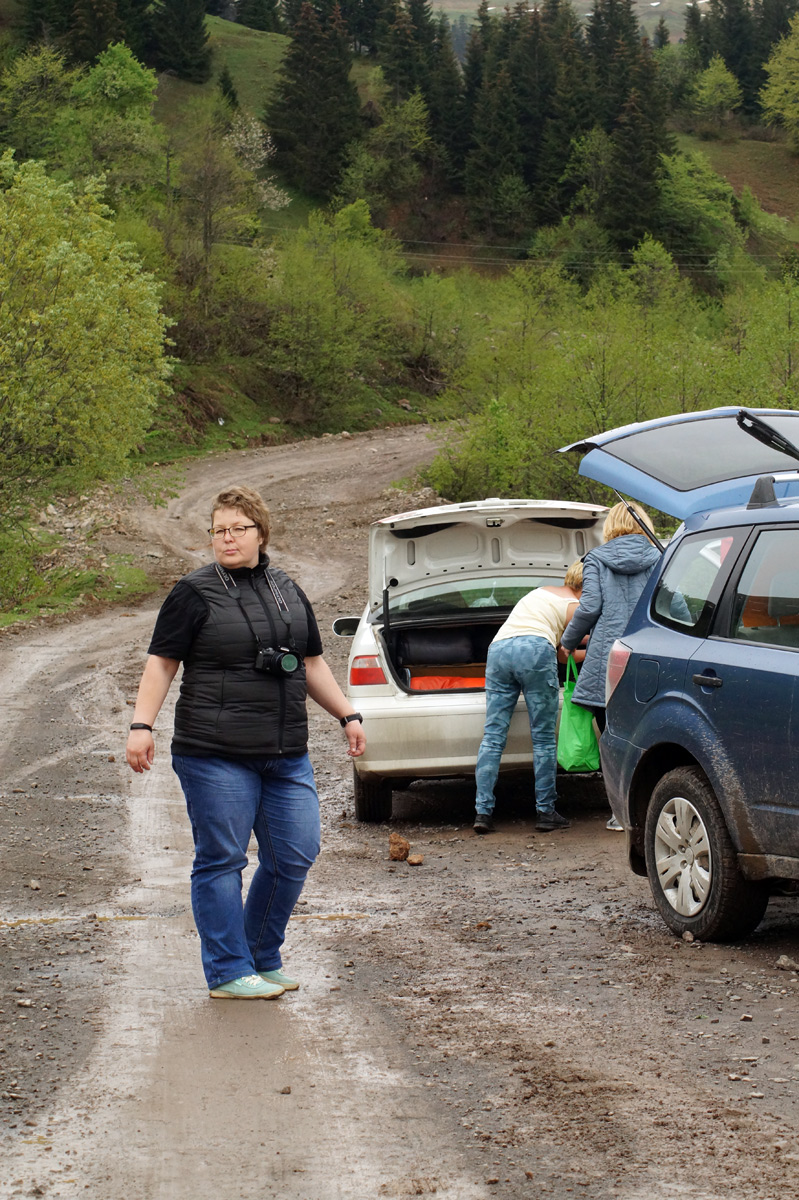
(252, 57)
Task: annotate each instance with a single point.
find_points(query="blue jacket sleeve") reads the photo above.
(589, 609)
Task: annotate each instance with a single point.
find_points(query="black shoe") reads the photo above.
(484, 823)
(549, 822)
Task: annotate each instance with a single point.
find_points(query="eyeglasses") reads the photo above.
(235, 531)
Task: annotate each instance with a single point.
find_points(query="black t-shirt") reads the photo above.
(183, 614)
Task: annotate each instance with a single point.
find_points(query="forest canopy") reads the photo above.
(319, 216)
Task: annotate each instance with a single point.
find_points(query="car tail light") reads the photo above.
(617, 664)
(366, 669)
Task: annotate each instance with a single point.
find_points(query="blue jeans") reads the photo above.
(517, 665)
(228, 800)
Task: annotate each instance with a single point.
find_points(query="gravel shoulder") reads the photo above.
(510, 1018)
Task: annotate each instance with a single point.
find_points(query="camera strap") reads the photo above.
(282, 608)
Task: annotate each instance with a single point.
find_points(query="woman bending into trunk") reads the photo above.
(522, 658)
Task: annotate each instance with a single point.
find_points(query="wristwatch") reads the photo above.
(352, 717)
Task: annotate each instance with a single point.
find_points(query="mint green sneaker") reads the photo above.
(288, 985)
(249, 987)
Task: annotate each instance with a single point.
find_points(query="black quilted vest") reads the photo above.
(226, 707)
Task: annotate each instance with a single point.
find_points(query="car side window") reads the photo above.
(689, 588)
(766, 603)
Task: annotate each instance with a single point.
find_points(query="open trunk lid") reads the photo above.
(479, 539)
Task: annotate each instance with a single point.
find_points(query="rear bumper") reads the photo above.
(417, 736)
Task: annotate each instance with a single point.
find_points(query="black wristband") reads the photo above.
(352, 717)
(141, 725)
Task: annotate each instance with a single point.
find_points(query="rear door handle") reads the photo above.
(709, 681)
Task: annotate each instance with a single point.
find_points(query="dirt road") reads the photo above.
(509, 1019)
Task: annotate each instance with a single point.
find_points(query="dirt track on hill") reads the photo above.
(509, 1019)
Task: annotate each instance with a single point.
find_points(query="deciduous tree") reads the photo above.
(33, 93)
(780, 96)
(716, 93)
(83, 358)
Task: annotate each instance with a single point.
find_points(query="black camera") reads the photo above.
(280, 662)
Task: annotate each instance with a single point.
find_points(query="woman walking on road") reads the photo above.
(251, 653)
(522, 658)
(614, 576)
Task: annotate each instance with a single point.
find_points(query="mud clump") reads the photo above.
(398, 848)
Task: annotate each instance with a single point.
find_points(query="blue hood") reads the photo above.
(628, 554)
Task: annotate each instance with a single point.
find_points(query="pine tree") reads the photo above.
(477, 49)
(135, 21)
(533, 70)
(313, 114)
(572, 114)
(362, 18)
(424, 32)
(181, 39)
(661, 36)
(613, 41)
(773, 21)
(652, 99)
(495, 157)
(629, 206)
(45, 20)
(95, 25)
(696, 39)
(401, 59)
(505, 33)
(259, 14)
(559, 18)
(228, 88)
(291, 12)
(445, 92)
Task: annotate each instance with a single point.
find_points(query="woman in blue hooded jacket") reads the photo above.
(614, 576)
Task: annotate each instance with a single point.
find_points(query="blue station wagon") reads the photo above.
(700, 756)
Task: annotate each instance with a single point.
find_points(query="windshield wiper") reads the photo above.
(760, 429)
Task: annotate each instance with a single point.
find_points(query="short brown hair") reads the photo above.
(248, 501)
(620, 521)
(574, 575)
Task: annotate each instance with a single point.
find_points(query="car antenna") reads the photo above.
(644, 528)
(765, 433)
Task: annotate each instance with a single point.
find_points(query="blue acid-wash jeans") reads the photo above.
(227, 800)
(517, 665)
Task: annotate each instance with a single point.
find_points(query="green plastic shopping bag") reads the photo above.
(577, 745)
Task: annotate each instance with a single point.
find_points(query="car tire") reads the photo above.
(692, 865)
(372, 797)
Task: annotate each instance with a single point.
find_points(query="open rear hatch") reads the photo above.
(443, 580)
(696, 462)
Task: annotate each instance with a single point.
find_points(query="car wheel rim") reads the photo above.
(683, 858)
